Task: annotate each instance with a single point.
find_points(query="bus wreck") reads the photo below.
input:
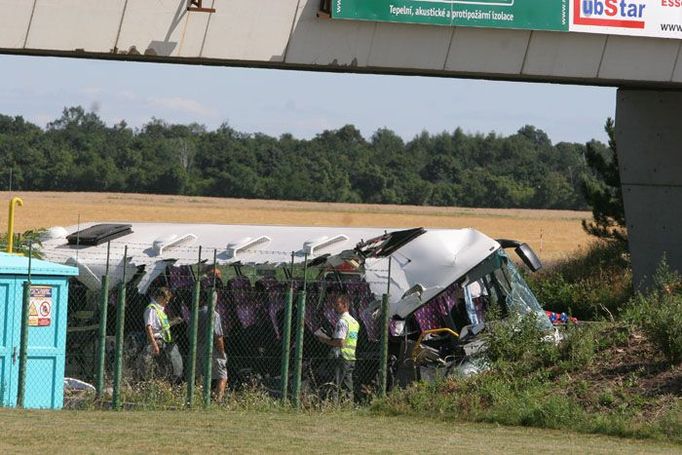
(440, 284)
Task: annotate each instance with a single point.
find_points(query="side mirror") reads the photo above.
(528, 257)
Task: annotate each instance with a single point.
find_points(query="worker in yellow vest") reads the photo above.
(344, 341)
(160, 347)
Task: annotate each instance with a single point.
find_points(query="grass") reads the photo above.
(604, 378)
(553, 233)
(58, 432)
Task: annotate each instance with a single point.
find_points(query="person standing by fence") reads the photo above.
(344, 341)
(219, 368)
(160, 350)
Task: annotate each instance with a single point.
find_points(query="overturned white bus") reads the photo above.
(440, 284)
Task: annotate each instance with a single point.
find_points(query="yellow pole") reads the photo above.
(10, 229)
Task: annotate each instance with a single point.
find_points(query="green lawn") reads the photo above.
(210, 432)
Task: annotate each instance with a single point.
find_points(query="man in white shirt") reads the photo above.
(160, 346)
(344, 342)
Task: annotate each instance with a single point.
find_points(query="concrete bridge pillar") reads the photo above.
(649, 141)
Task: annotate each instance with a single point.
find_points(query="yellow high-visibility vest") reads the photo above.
(163, 319)
(351, 340)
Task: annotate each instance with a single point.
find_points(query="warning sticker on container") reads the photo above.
(40, 306)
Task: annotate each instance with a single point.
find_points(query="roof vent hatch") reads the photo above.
(246, 244)
(171, 241)
(314, 246)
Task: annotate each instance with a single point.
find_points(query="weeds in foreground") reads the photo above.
(658, 312)
(534, 401)
(159, 395)
(542, 384)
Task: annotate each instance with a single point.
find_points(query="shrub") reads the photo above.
(658, 312)
(671, 423)
(519, 344)
(22, 242)
(578, 348)
(594, 284)
(520, 348)
(154, 395)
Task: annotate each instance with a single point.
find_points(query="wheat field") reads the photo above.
(552, 233)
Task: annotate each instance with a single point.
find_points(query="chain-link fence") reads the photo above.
(257, 309)
(290, 327)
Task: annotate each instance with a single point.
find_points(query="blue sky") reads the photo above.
(302, 103)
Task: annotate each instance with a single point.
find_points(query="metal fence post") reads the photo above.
(383, 358)
(208, 360)
(286, 335)
(300, 326)
(23, 342)
(101, 346)
(120, 322)
(194, 324)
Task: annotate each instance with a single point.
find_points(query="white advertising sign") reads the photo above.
(653, 18)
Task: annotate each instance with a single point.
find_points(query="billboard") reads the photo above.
(519, 14)
(652, 18)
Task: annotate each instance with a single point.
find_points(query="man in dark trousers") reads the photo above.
(344, 341)
(160, 345)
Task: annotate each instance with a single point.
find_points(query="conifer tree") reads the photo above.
(603, 191)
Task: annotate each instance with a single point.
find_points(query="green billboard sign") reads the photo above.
(518, 14)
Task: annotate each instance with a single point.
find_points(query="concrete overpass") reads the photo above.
(288, 34)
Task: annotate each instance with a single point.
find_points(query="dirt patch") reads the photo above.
(629, 369)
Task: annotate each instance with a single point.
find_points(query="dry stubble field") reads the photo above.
(552, 233)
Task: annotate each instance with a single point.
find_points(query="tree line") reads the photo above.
(80, 152)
